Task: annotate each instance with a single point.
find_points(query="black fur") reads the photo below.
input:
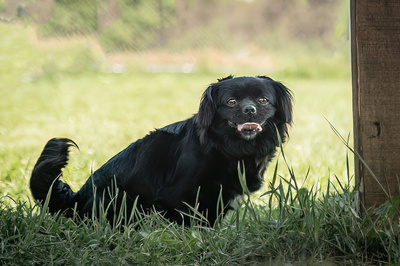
(188, 162)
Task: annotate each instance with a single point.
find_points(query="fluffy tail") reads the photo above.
(46, 175)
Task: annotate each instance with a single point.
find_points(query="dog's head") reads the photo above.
(244, 107)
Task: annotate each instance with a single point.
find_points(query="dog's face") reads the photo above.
(245, 106)
(242, 107)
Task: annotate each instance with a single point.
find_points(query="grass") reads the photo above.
(292, 224)
(303, 215)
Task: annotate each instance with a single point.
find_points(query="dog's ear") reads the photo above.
(207, 109)
(284, 103)
(284, 109)
(284, 99)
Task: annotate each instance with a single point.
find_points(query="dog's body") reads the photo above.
(191, 162)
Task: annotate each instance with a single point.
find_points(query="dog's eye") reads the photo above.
(263, 100)
(231, 102)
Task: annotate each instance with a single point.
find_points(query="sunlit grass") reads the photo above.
(71, 91)
(103, 113)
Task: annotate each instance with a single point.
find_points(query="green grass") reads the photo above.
(306, 214)
(292, 224)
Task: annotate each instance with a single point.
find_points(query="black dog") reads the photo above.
(188, 163)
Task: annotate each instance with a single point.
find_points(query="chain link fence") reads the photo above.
(178, 25)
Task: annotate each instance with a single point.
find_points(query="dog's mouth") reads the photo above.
(248, 130)
(250, 126)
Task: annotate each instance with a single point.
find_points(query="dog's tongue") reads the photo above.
(249, 126)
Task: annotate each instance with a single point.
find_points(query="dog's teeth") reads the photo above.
(249, 127)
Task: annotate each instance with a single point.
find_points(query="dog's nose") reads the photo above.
(249, 109)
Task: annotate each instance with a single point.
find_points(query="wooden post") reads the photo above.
(375, 28)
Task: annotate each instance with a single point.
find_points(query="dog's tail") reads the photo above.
(46, 176)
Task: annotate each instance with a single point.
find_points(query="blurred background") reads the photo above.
(176, 35)
(105, 72)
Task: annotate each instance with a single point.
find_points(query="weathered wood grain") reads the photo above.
(375, 27)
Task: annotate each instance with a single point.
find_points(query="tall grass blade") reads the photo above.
(358, 156)
(249, 207)
(242, 178)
